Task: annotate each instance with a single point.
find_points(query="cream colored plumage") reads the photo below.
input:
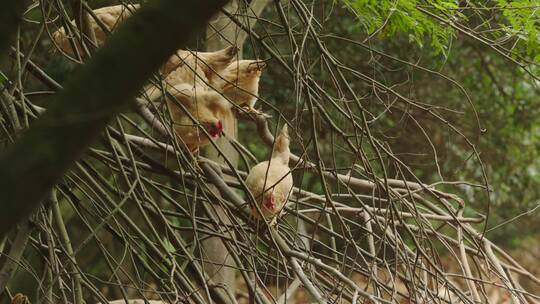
(210, 64)
(202, 63)
(270, 182)
(194, 68)
(206, 106)
(239, 82)
(110, 16)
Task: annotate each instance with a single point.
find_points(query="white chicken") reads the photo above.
(205, 63)
(270, 182)
(239, 82)
(206, 107)
(209, 63)
(110, 16)
(194, 68)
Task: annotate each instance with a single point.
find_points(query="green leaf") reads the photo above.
(3, 79)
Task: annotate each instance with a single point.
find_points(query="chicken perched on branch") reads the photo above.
(205, 106)
(110, 17)
(240, 82)
(210, 63)
(270, 182)
(197, 68)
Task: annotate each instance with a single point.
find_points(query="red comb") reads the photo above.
(269, 203)
(217, 130)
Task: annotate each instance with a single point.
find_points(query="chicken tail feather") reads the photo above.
(281, 145)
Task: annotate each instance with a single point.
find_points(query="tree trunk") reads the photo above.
(221, 33)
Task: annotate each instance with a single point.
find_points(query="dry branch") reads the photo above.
(146, 204)
(91, 99)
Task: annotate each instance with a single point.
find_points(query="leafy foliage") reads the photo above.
(512, 26)
(154, 241)
(523, 17)
(503, 95)
(389, 18)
